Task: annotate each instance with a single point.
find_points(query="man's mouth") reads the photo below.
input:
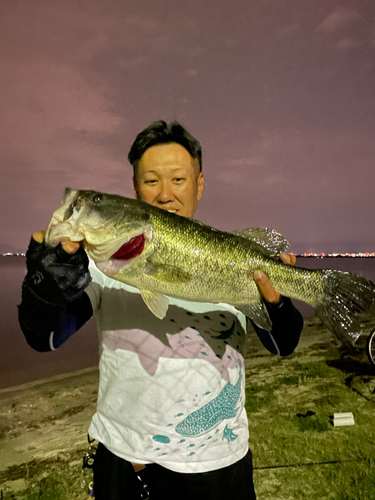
(131, 248)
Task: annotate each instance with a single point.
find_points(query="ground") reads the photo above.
(43, 425)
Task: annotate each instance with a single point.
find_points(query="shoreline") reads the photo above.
(53, 378)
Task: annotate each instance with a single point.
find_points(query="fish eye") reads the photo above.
(97, 197)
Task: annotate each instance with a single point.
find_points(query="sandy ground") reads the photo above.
(48, 419)
(40, 420)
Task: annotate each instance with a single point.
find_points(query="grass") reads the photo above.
(297, 452)
(51, 479)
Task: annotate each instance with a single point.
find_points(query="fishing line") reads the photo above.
(305, 464)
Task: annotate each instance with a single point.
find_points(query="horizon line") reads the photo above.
(305, 254)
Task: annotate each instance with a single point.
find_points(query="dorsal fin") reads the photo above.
(269, 239)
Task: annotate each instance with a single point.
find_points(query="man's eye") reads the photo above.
(179, 179)
(151, 181)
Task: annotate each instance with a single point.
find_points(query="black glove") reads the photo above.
(55, 275)
(54, 278)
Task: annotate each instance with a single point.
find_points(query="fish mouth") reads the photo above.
(126, 253)
(131, 248)
(120, 250)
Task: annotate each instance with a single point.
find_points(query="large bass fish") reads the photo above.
(163, 254)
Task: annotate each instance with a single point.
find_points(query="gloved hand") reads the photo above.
(54, 278)
(54, 274)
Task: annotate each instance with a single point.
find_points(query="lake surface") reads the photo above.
(20, 364)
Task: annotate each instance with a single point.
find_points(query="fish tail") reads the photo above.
(345, 295)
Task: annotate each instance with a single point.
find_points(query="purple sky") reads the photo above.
(280, 93)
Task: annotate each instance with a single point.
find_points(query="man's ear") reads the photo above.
(200, 182)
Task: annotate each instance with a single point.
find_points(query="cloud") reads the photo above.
(273, 179)
(347, 44)
(57, 110)
(54, 122)
(79, 32)
(229, 178)
(241, 171)
(52, 116)
(133, 63)
(287, 31)
(245, 162)
(338, 19)
(238, 171)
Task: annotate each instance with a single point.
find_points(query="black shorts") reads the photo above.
(115, 479)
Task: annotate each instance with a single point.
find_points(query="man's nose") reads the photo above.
(165, 193)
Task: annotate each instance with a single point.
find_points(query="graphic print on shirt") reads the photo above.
(223, 407)
(229, 435)
(216, 336)
(158, 372)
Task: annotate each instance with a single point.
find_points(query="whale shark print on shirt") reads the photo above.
(223, 407)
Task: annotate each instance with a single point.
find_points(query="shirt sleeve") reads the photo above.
(287, 324)
(79, 312)
(74, 316)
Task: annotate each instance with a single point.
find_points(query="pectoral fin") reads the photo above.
(267, 238)
(257, 313)
(156, 302)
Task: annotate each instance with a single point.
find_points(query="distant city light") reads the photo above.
(321, 255)
(306, 254)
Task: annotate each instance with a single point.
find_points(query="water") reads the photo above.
(19, 363)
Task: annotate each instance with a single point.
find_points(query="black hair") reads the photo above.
(160, 132)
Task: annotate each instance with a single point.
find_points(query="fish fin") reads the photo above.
(268, 238)
(345, 296)
(166, 273)
(258, 313)
(156, 302)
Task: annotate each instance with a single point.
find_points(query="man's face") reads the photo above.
(169, 178)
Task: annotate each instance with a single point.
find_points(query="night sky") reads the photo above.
(281, 95)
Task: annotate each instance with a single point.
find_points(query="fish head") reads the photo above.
(112, 228)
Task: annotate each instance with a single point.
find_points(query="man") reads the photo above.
(171, 392)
